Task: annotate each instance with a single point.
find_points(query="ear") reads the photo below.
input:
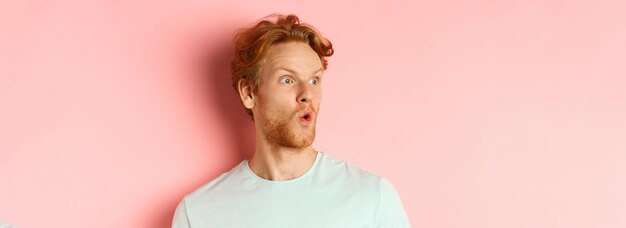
(245, 94)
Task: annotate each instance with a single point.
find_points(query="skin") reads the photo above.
(291, 76)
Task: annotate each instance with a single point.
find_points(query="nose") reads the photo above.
(306, 94)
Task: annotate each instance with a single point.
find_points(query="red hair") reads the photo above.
(251, 45)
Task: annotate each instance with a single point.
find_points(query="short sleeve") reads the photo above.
(180, 216)
(390, 212)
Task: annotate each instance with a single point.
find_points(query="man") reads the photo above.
(277, 72)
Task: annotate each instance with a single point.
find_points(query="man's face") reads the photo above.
(289, 95)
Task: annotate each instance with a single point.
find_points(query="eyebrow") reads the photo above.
(294, 72)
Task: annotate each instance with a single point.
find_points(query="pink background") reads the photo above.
(482, 113)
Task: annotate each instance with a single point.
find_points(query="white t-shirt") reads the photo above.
(332, 193)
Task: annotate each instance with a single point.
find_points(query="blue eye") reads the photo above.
(286, 80)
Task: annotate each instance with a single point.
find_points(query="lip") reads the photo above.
(306, 121)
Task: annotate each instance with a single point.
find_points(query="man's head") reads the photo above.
(277, 72)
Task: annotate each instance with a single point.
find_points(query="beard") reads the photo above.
(284, 130)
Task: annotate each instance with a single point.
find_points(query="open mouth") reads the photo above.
(306, 117)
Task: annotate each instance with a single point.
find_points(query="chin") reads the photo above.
(303, 141)
(290, 135)
(300, 139)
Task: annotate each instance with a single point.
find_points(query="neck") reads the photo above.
(280, 163)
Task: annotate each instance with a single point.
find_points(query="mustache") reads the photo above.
(310, 108)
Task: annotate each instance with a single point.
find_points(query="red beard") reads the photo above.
(284, 130)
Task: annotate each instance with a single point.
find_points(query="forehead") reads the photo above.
(297, 56)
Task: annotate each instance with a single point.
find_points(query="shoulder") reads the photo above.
(377, 190)
(368, 190)
(351, 175)
(333, 164)
(221, 183)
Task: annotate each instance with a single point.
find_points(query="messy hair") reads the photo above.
(251, 46)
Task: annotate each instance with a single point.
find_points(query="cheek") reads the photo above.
(318, 97)
(283, 95)
(277, 102)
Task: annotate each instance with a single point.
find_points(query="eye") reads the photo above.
(286, 80)
(314, 81)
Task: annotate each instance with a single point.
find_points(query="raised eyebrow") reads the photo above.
(294, 72)
(319, 70)
(286, 69)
